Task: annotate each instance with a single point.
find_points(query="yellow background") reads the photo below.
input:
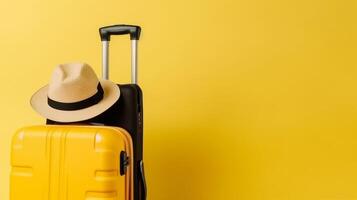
(244, 100)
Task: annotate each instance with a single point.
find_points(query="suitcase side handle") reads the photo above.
(143, 181)
(122, 29)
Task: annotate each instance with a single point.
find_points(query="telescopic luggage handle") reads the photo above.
(122, 29)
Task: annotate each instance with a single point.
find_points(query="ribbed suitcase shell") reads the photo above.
(70, 163)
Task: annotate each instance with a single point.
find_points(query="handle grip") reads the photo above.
(121, 29)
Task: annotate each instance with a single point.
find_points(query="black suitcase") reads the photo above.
(127, 112)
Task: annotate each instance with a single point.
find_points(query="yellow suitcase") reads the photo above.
(71, 163)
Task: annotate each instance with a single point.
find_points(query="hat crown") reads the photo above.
(72, 82)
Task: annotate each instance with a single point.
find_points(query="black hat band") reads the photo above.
(96, 98)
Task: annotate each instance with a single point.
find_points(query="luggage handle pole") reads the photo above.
(134, 61)
(106, 32)
(105, 60)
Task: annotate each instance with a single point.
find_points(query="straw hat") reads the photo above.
(74, 94)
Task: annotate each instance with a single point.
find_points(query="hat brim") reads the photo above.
(40, 105)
